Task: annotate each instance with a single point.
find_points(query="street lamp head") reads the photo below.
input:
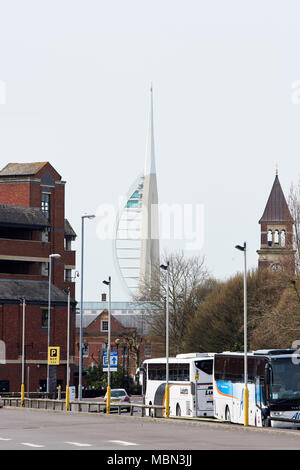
(107, 283)
(91, 216)
(165, 267)
(241, 248)
(55, 255)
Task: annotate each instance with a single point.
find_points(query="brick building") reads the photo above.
(33, 226)
(130, 334)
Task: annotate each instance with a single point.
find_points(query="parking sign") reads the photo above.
(53, 355)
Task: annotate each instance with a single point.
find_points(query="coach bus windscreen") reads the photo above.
(285, 380)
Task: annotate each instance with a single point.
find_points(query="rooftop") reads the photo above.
(22, 216)
(129, 314)
(34, 292)
(22, 169)
(276, 209)
(69, 232)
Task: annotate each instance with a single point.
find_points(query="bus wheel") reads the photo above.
(178, 410)
(266, 423)
(227, 414)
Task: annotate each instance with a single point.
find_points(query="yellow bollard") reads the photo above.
(108, 400)
(22, 395)
(67, 398)
(246, 406)
(167, 401)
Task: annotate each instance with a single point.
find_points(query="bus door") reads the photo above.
(204, 400)
(258, 402)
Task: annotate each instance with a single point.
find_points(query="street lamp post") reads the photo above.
(23, 355)
(246, 392)
(108, 283)
(81, 305)
(167, 268)
(53, 255)
(68, 352)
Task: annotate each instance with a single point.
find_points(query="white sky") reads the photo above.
(77, 77)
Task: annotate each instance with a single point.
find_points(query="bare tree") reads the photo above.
(294, 206)
(189, 283)
(279, 327)
(132, 340)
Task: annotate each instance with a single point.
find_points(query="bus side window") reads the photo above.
(205, 366)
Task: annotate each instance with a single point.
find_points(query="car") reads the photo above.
(118, 396)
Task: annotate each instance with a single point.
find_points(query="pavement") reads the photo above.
(24, 429)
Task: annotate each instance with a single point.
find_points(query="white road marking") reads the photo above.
(29, 444)
(5, 439)
(79, 444)
(124, 443)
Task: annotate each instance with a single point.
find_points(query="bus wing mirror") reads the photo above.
(267, 374)
(267, 382)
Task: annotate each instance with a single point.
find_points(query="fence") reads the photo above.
(80, 406)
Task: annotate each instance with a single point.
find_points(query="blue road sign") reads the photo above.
(113, 355)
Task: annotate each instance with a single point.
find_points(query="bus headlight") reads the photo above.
(278, 413)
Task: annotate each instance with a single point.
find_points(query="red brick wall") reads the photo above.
(36, 342)
(17, 194)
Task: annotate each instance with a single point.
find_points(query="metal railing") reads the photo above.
(81, 406)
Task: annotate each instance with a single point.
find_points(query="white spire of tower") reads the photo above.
(137, 256)
(149, 256)
(150, 148)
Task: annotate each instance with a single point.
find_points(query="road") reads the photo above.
(22, 429)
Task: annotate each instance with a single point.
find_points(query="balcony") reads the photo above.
(24, 250)
(69, 258)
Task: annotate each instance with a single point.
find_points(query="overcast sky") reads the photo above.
(77, 77)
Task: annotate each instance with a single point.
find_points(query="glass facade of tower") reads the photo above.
(128, 237)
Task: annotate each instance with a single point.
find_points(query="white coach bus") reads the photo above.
(190, 384)
(273, 385)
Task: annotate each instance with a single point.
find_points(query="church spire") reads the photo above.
(276, 209)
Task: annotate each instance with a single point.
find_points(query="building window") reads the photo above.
(270, 237)
(68, 244)
(68, 275)
(4, 385)
(46, 205)
(282, 238)
(85, 350)
(45, 235)
(276, 237)
(44, 319)
(147, 349)
(43, 385)
(45, 269)
(2, 352)
(104, 325)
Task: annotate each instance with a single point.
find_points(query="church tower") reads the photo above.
(276, 247)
